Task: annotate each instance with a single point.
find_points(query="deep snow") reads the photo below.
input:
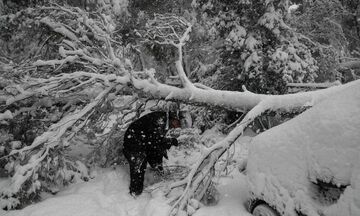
(107, 195)
(321, 144)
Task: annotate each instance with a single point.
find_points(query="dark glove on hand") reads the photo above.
(174, 142)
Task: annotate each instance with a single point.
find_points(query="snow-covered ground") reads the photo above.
(107, 195)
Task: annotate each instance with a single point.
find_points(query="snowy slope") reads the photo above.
(323, 144)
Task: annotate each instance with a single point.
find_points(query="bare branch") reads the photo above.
(175, 31)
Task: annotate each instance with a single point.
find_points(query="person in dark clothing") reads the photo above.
(145, 142)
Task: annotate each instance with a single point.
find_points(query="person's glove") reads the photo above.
(174, 142)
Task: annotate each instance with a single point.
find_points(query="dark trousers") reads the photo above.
(137, 162)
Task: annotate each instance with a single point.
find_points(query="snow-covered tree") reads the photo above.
(331, 29)
(258, 49)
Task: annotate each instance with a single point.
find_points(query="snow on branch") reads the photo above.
(6, 115)
(48, 140)
(168, 29)
(209, 157)
(232, 100)
(29, 93)
(171, 30)
(110, 72)
(88, 39)
(313, 85)
(68, 59)
(59, 28)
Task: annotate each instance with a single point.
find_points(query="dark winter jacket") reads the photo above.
(148, 134)
(145, 142)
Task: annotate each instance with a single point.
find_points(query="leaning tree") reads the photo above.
(71, 90)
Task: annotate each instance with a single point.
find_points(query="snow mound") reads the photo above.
(286, 163)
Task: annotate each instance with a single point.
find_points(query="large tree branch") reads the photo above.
(232, 100)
